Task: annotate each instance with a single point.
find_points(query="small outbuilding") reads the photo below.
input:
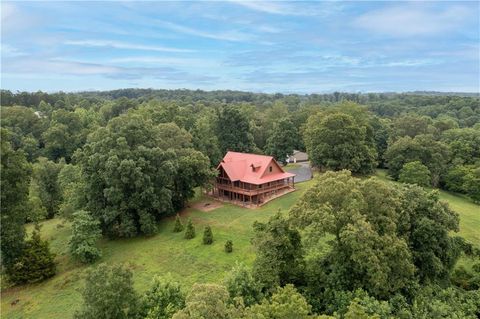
(297, 156)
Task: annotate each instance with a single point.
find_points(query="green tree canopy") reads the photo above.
(415, 173)
(279, 253)
(132, 179)
(239, 282)
(109, 293)
(422, 148)
(338, 140)
(285, 303)
(163, 299)
(36, 263)
(208, 301)
(233, 130)
(85, 233)
(381, 234)
(45, 176)
(282, 141)
(15, 179)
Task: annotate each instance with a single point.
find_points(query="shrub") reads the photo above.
(228, 246)
(85, 233)
(207, 236)
(190, 232)
(178, 225)
(36, 262)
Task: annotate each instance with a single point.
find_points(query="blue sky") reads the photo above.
(259, 46)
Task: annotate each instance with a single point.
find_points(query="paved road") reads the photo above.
(303, 173)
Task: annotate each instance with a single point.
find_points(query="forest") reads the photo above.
(115, 166)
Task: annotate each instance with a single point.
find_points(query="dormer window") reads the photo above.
(270, 169)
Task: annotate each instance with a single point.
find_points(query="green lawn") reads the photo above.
(188, 260)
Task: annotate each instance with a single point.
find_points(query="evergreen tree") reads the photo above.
(190, 232)
(36, 262)
(207, 236)
(178, 225)
(228, 246)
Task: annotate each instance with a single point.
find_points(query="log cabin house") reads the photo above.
(250, 179)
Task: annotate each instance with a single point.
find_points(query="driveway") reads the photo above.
(303, 172)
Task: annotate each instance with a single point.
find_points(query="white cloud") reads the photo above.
(412, 20)
(124, 45)
(289, 8)
(227, 36)
(8, 51)
(264, 6)
(188, 62)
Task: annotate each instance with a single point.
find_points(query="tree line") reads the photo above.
(115, 163)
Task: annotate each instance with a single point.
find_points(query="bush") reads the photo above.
(207, 236)
(415, 173)
(178, 225)
(228, 246)
(85, 233)
(36, 262)
(190, 232)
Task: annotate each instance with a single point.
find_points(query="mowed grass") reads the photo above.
(189, 261)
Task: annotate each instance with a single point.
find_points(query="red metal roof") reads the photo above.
(251, 168)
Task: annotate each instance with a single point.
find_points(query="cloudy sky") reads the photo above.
(254, 46)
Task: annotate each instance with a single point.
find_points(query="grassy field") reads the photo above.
(188, 261)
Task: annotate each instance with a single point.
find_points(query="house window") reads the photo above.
(270, 169)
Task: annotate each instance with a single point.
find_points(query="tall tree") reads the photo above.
(64, 135)
(137, 172)
(15, 178)
(36, 262)
(163, 299)
(415, 173)
(45, 176)
(85, 233)
(336, 141)
(109, 293)
(386, 237)
(422, 148)
(285, 303)
(282, 141)
(208, 301)
(205, 139)
(279, 254)
(233, 131)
